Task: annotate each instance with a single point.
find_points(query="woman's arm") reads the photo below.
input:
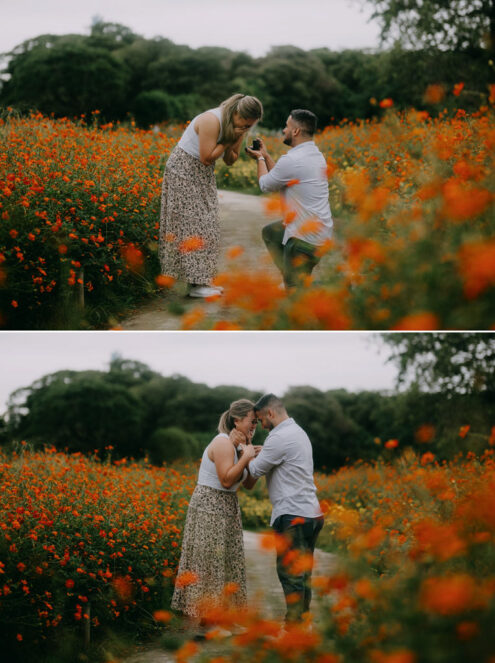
(232, 152)
(249, 482)
(228, 472)
(208, 128)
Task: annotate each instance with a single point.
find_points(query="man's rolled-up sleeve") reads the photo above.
(278, 177)
(269, 457)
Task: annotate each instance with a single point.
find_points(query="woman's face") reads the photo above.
(241, 125)
(247, 424)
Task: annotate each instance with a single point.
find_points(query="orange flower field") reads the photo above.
(84, 540)
(415, 580)
(412, 197)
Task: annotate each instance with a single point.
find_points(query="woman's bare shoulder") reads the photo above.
(207, 121)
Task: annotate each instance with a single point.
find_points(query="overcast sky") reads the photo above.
(265, 361)
(249, 25)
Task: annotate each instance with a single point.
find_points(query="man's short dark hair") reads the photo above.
(305, 119)
(269, 400)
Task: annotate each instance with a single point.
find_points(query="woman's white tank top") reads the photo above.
(208, 472)
(189, 141)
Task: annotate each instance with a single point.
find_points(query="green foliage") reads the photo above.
(118, 72)
(457, 24)
(169, 444)
(67, 77)
(138, 411)
(451, 363)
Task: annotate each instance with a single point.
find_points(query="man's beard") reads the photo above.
(288, 141)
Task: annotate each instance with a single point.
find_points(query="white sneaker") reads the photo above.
(204, 291)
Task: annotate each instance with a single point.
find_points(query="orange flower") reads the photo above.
(463, 201)
(491, 93)
(69, 583)
(426, 458)
(164, 281)
(163, 616)
(421, 321)
(274, 205)
(458, 88)
(297, 521)
(448, 595)
(477, 266)
(225, 325)
(463, 431)
(289, 217)
(424, 433)
(391, 444)
(193, 317)
(320, 309)
(234, 252)
(273, 540)
(292, 182)
(191, 244)
(310, 226)
(396, 656)
(491, 440)
(467, 630)
(434, 94)
(386, 103)
(133, 257)
(437, 539)
(186, 578)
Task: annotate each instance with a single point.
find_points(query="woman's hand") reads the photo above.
(257, 448)
(247, 450)
(236, 437)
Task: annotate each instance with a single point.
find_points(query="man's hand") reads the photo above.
(255, 154)
(257, 448)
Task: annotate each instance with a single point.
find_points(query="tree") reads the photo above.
(455, 24)
(169, 444)
(449, 362)
(80, 411)
(66, 76)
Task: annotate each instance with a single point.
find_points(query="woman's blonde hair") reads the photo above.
(237, 410)
(249, 108)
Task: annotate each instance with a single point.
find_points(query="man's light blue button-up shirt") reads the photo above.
(287, 461)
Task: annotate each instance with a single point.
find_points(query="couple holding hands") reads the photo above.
(189, 221)
(212, 547)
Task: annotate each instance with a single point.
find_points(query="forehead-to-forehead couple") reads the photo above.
(243, 416)
(212, 547)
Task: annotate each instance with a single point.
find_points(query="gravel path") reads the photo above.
(242, 217)
(264, 590)
(241, 220)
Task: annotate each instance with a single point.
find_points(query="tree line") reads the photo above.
(137, 411)
(122, 75)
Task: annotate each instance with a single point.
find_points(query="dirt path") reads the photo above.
(241, 219)
(264, 590)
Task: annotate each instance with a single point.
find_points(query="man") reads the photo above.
(286, 459)
(301, 177)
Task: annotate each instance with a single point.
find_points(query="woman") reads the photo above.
(189, 222)
(212, 546)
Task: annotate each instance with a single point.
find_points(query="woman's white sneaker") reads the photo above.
(204, 291)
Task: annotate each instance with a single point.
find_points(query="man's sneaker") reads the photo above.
(204, 291)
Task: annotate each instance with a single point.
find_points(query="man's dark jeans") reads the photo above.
(296, 583)
(295, 259)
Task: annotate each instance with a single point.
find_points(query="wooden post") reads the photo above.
(80, 289)
(87, 625)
